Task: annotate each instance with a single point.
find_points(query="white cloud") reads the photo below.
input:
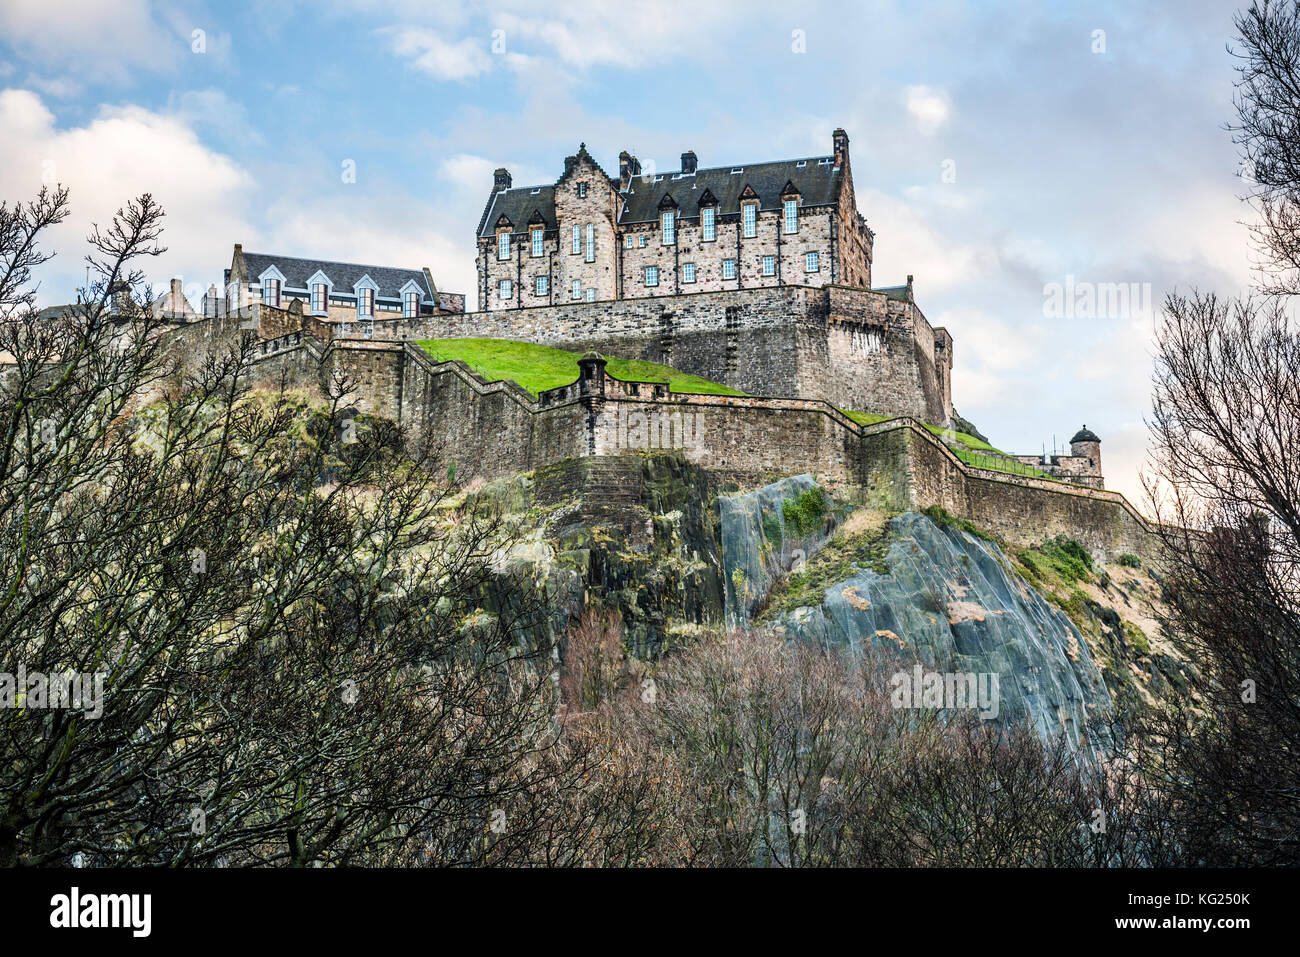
(907, 244)
(103, 39)
(426, 51)
(929, 107)
(122, 152)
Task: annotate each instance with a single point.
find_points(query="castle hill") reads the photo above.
(525, 436)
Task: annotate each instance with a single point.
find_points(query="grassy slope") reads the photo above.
(537, 368)
(966, 447)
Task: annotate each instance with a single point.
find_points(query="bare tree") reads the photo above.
(310, 655)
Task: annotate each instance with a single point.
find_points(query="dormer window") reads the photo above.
(749, 219)
(582, 191)
(319, 299)
(791, 208)
(708, 224)
(537, 234)
(411, 305)
(271, 292)
(365, 302)
(503, 244)
(668, 227)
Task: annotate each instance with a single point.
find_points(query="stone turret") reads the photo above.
(1086, 444)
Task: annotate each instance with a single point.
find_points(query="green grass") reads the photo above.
(966, 447)
(866, 418)
(537, 368)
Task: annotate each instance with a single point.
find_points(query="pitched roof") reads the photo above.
(518, 206)
(343, 275)
(817, 179)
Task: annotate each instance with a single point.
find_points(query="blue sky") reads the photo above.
(997, 147)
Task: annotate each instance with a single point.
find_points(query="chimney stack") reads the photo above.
(501, 179)
(840, 140)
(626, 168)
(689, 162)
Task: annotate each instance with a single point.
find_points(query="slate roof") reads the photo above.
(343, 275)
(817, 179)
(518, 205)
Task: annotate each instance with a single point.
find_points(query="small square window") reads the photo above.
(503, 289)
(769, 265)
(652, 275)
(582, 191)
(688, 272)
(728, 269)
(591, 295)
(810, 262)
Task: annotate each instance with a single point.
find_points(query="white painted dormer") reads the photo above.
(319, 286)
(272, 281)
(412, 298)
(365, 290)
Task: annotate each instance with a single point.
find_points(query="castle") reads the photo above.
(756, 277)
(589, 237)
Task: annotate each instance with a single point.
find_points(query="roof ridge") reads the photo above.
(337, 262)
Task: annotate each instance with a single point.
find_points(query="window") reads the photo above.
(365, 302)
(232, 296)
(582, 191)
(688, 272)
(591, 295)
(708, 223)
(503, 289)
(540, 285)
(750, 217)
(668, 227)
(810, 263)
(537, 242)
(769, 265)
(652, 275)
(411, 305)
(640, 240)
(728, 269)
(577, 289)
(629, 242)
(503, 245)
(577, 239)
(271, 292)
(792, 216)
(591, 243)
(319, 301)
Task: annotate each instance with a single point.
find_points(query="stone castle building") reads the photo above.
(590, 237)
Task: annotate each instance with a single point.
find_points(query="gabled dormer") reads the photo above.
(365, 290)
(272, 282)
(790, 198)
(319, 287)
(748, 212)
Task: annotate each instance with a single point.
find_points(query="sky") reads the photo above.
(1004, 153)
